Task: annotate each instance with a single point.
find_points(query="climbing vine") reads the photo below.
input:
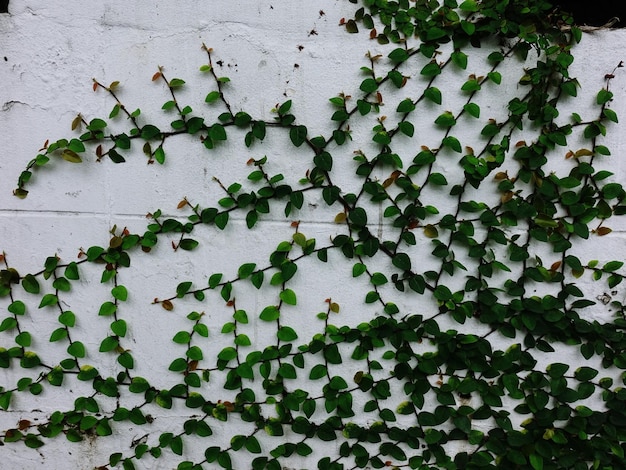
(473, 345)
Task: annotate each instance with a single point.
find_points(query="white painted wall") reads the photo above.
(49, 52)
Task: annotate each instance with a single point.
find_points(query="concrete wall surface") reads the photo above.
(272, 51)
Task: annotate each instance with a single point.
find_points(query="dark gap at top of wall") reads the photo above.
(584, 12)
(594, 12)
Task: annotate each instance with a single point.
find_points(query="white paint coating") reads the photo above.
(48, 54)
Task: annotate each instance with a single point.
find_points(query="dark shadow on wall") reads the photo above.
(4, 6)
(594, 12)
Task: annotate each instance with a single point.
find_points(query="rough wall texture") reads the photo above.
(272, 51)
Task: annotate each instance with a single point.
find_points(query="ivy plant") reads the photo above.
(475, 346)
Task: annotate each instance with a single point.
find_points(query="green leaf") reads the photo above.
(317, 372)
(214, 280)
(612, 266)
(378, 279)
(30, 284)
(604, 96)
(107, 308)
(58, 334)
(217, 132)
(286, 333)
(23, 339)
(270, 313)
(585, 374)
(405, 106)
(445, 120)
(297, 134)
(17, 308)
(183, 288)
(108, 344)
(47, 300)
(119, 328)
(287, 371)
(212, 96)
(150, 132)
(242, 340)
(178, 365)
(324, 161)
(437, 179)
(369, 85)
(62, 284)
(252, 445)
(433, 94)
(406, 128)
(120, 293)
(398, 55)
(431, 70)
(76, 349)
(5, 400)
(358, 216)
(245, 270)
(472, 109)
(182, 337)
(288, 296)
(176, 82)
(469, 6)
(358, 269)
(402, 261)
(452, 143)
(460, 59)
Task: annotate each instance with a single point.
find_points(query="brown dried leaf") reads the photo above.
(23, 424)
(506, 197)
(21, 193)
(75, 125)
(431, 231)
(601, 231)
(340, 218)
(115, 242)
(555, 266)
(583, 153)
(167, 305)
(182, 204)
(71, 156)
